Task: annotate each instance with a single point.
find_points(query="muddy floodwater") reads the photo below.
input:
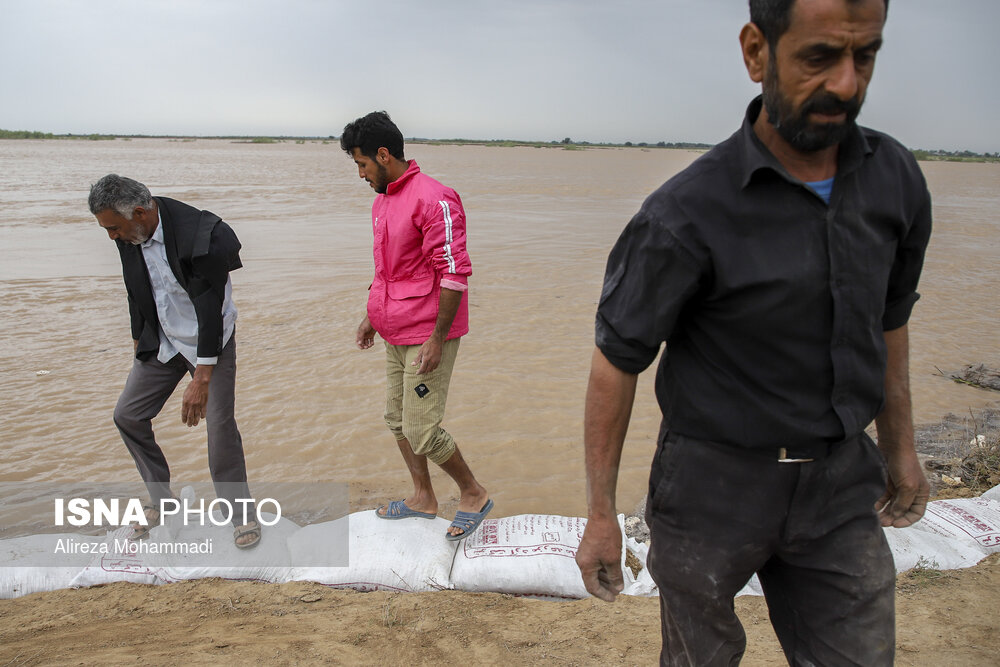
(540, 223)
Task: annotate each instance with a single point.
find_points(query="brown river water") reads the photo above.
(541, 222)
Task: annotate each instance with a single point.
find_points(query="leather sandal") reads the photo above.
(141, 532)
(252, 528)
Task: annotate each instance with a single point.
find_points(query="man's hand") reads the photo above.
(610, 394)
(196, 396)
(907, 493)
(599, 558)
(429, 356)
(365, 337)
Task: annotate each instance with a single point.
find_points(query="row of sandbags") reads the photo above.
(528, 554)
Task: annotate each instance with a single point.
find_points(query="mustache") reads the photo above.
(825, 103)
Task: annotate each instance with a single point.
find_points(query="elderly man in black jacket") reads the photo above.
(176, 262)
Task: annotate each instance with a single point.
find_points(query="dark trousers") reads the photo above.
(149, 385)
(718, 514)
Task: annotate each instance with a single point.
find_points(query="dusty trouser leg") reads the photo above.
(830, 588)
(714, 516)
(717, 514)
(147, 389)
(226, 458)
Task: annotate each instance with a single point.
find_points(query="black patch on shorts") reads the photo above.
(421, 390)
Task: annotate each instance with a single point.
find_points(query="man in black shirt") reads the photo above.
(780, 270)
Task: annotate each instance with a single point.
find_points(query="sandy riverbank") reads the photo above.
(944, 618)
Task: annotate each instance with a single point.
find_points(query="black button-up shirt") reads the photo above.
(772, 303)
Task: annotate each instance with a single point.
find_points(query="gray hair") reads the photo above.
(119, 193)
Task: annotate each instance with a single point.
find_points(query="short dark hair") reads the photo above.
(772, 17)
(371, 132)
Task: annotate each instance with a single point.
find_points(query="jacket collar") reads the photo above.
(169, 238)
(400, 182)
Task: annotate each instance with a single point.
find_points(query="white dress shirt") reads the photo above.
(178, 320)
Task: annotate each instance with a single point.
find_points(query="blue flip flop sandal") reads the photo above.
(398, 509)
(468, 522)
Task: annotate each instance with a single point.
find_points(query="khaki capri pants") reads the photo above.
(414, 404)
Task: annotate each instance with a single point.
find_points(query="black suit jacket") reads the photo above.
(201, 250)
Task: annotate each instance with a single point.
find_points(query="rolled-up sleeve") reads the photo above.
(650, 276)
(902, 293)
(443, 229)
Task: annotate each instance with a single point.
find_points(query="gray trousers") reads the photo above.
(809, 530)
(149, 385)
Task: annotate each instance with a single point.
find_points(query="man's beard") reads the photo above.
(381, 182)
(794, 126)
(140, 234)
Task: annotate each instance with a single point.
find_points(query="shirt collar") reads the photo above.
(756, 156)
(157, 233)
(398, 184)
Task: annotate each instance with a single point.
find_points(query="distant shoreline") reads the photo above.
(565, 144)
(249, 139)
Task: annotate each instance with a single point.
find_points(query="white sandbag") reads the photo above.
(115, 563)
(969, 519)
(406, 555)
(38, 563)
(527, 554)
(642, 584)
(992, 494)
(911, 547)
(952, 534)
(268, 561)
(18, 581)
(752, 587)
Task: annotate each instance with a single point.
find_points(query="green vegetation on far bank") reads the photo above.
(954, 156)
(566, 143)
(26, 134)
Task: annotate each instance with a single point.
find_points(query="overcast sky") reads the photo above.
(593, 70)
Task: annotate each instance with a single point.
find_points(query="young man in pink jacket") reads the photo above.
(417, 303)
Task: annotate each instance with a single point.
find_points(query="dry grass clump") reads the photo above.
(980, 468)
(975, 470)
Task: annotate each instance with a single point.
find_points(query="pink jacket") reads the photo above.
(419, 228)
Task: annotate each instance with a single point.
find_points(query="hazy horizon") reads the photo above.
(637, 70)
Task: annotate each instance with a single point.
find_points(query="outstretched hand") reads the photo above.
(599, 558)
